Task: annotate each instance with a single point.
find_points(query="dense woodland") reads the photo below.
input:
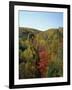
(40, 53)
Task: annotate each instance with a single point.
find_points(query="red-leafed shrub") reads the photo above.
(43, 54)
(43, 62)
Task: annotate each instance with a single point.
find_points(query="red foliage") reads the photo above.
(43, 54)
(43, 62)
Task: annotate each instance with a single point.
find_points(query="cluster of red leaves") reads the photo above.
(43, 62)
(43, 54)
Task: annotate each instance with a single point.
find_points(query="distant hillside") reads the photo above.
(47, 34)
(51, 34)
(25, 31)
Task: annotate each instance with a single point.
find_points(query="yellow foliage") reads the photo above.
(27, 54)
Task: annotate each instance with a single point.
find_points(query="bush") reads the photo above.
(55, 69)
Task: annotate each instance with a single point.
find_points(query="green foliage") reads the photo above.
(27, 54)
(27, 70)
(52, 41)
(22, 45)
(55, 69)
